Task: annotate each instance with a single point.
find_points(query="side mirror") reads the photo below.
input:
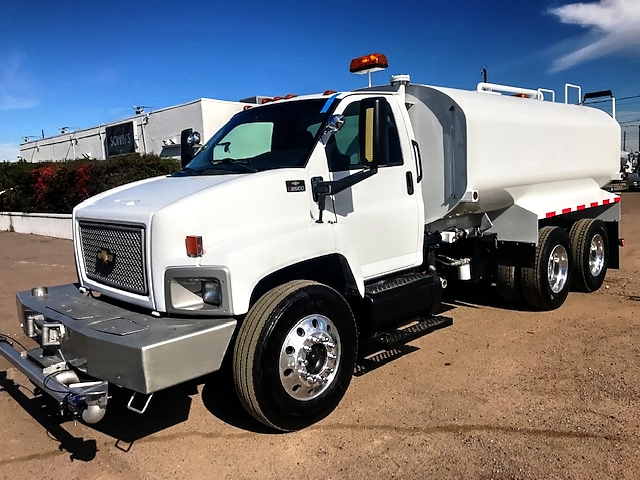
(334, 125)
(194, 139)
(189, 142)
(373, 132)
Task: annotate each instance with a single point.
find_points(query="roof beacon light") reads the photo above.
(373, 62)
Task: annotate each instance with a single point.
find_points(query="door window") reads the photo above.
(344, 147)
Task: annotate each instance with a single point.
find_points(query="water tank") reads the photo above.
(475, 145)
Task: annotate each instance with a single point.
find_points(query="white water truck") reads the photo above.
(309, 227)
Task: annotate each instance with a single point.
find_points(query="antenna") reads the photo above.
(483, 72)
(140, 108)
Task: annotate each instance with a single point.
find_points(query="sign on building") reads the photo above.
(120, 140)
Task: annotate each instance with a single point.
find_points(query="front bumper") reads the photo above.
(105, 340)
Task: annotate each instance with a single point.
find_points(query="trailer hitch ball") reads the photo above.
(91, 410)
(93, 413)
(39, 292)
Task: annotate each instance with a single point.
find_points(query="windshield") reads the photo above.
(262, 138)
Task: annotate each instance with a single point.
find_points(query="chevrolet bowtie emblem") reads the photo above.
(105, 256)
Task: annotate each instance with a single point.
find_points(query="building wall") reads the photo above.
(153, 132)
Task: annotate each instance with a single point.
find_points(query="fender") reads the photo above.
(254, 257)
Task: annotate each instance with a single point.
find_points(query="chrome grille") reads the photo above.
(114, 255)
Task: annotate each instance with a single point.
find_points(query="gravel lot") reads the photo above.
(500, 394)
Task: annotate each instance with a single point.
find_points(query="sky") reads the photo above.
(78, 63)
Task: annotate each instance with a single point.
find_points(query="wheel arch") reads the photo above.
(332, 270)
(609, 213)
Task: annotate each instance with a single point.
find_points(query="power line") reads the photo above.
(617, 99)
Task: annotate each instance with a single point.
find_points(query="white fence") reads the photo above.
(48, 224)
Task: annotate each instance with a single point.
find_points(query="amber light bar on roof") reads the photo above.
(368, 63)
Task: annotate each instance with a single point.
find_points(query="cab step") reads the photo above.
(400, 336)
(397, 301)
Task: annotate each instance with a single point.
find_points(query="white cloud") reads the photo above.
(614, 25)
(15, 85)
(9, 151)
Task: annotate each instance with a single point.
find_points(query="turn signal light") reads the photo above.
(369, 63)
(194, 245)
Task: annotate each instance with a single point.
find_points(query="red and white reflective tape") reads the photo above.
(606, 201)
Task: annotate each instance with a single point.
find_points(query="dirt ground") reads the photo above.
(501, 394)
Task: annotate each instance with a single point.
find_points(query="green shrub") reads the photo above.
(59, 186)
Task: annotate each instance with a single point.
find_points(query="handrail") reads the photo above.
(493, 87)
(566, 92)
(547, 90)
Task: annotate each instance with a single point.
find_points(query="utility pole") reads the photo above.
(624, 141)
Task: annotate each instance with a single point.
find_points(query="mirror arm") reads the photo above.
(322, 189)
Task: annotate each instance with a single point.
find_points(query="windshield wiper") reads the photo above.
(232, 161)
(186, 171)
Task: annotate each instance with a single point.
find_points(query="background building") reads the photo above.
(147, 132)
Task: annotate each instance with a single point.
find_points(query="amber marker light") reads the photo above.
(194, 245)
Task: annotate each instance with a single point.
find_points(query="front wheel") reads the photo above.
(295, 354)
(590, 248)
(546, 284)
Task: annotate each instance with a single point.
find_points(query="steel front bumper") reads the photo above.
(105, 341)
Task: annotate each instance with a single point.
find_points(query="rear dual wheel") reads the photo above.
(509, 284)
(579, 260)
(547, 284)
(590, 248)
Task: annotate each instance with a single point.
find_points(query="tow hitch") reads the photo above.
(82, 399)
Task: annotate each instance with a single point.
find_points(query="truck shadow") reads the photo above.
(220, 399)
(477, 296)
(167, 408)
(44, 413)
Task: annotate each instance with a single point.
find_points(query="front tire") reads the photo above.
(295, 354)
(590, 248)
(546, 284)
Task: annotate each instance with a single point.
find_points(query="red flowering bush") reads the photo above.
(59, 186)
(41, 178)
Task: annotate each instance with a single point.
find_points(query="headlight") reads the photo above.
(188, 293)
(211, 293)
(197, 291)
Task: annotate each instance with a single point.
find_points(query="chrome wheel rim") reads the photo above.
(558, 268)
(596, 255)
(309, 357)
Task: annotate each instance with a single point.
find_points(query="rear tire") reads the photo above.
(590, 249)
(295, 355)
(547, 284)
(509, 285)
